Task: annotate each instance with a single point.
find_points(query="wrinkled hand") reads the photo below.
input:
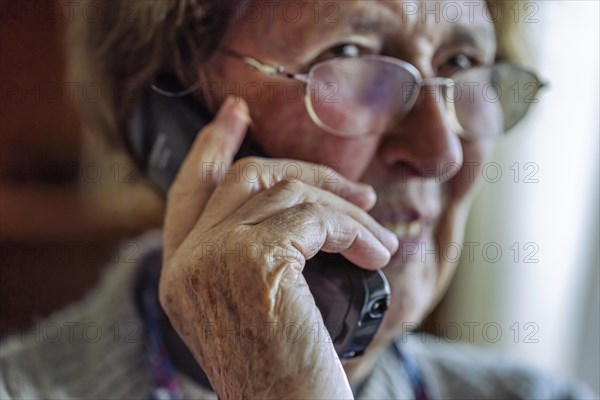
(235, 245)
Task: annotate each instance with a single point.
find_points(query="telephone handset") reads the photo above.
(352, 301)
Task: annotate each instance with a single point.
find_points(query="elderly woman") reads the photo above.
(385, 109)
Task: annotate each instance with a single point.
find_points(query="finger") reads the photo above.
(212, 151)
(287, 194)
(344, 228)
(301, 231)
(252, 175)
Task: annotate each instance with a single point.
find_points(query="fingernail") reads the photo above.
(384, 255)
(234, 114)
(370, 197)
(392, 241)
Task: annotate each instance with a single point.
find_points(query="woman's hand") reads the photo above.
(235, 245)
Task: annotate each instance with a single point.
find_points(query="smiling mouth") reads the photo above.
(407, 230)
(409, 224)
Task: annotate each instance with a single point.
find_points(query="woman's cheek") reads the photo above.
(460, 192)
(475, 156)
(287, 131)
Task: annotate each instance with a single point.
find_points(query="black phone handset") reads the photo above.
(352, 301)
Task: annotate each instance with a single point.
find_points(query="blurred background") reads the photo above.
(528, 281)
(67, 201)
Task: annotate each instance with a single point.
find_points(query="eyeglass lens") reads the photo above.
(363, 95)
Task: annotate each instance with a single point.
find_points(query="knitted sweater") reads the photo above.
(94, 349)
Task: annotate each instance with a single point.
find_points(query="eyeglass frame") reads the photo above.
(420, 82)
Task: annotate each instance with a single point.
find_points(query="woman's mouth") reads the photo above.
(411, 226)
(407, 223)
(406, 230)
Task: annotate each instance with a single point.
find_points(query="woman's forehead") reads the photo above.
(291, 25)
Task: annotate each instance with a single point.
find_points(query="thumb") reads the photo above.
(211, 154)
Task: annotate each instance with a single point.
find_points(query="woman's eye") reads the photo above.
(341, 50)
(457, 63)
(345, 50)
(461, 61)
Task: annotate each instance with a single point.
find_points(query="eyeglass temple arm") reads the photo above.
(263, 68)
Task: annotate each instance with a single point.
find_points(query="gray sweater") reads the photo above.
(94, 349)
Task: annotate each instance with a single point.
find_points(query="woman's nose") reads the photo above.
(424, 143)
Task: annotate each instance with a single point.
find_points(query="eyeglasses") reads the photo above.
(357, 96)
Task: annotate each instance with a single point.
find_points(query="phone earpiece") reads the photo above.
(161, 132)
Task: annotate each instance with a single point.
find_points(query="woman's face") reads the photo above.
(423, 173)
